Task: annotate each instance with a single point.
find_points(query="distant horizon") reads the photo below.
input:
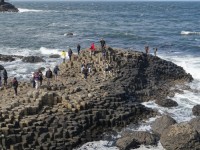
(108, 0)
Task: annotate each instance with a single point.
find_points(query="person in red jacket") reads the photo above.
(92, 49)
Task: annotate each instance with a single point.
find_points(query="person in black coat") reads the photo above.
(5, 76)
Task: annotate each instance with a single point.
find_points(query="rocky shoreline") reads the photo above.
(73, 111)
(7, 7)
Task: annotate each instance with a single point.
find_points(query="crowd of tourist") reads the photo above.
(37, 76)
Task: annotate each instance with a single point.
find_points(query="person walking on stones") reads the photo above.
(40, 76)
(85, 72)
(55, 71)
(103, 43)
(63, 56)
(155, 51)
(70, 54)
(36, 79)
(33, 80)
(78, 48)
(5, 77)
(49, 75)
(15, 85)
(92, 49)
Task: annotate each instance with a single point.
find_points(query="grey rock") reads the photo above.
(180, 136)
(166, 103)
(195, 122)
(33, 59)
(196, 110)
(160, 124)
(54, 56)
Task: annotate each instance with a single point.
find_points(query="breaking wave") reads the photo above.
(189, 33)
(22, 10)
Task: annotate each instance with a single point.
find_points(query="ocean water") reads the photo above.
(40, 28)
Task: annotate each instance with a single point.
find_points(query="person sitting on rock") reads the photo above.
(5, 77)
(70, 53)
(55, 71)
(92, 49)
(15, 85)
(63, 56)
(49, 75)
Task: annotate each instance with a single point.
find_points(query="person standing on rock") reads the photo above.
(70, 54)
(78, 48)
(85, 72)
(92, 49)
(15, 85)
(40, 76)
(32, 80)
(55, 71)
(49, 75)
(5, 77)
(103, 44)
(36, 79)
(155, 51)
(63, 56)
(147, 49)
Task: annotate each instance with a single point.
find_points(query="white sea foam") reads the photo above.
(48, 51)
(189, 33)
(22, 10)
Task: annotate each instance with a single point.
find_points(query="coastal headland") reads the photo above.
(73, 110)
(7, 7)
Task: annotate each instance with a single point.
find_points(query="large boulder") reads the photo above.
(1, 67)
(195, 122)
(6, 58)
(135, 138)
(196, 110)
(4, 6)
(33, 59)
(180, 136)
(166, 103)
(54, 56)
(162, 123)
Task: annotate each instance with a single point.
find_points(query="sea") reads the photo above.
(41, 28)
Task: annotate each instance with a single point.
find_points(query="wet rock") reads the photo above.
(6, 58)
(54, 56)
(166, 103)
(196, 110)
(4, 6)
(160, 124)
(195, 122)
(33, 59)
(135, 138)
(1, 67)
(69, 34)
(180, 136)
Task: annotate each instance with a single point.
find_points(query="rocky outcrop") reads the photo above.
(33, 59)
(6, 58)
(74, 110)
(195, 122)
(54, 56)
(1, 67)
(166, 103)
(180, 136)
(135, 138)
(7, 7)
(162, 123)
(196, 110)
